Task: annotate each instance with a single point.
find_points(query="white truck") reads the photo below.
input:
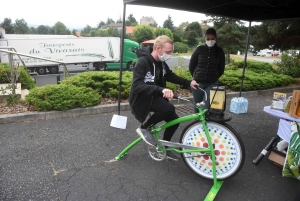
(99, 53)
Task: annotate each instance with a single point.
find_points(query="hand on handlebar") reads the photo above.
(194, 84)
(167, 93)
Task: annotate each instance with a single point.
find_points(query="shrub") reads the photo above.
(176, 37)
(258, 67)
(289, 64)
(105, 83)
(25, 79)
(62, 97)
(254, 80)
(180, 48)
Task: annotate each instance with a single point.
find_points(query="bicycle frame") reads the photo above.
(209, 151)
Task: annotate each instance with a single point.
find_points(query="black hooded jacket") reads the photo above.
(146, 85)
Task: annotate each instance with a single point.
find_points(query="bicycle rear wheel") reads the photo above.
(229, 150)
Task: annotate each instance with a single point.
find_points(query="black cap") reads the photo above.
(211, 31)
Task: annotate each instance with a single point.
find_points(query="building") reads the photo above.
(112, 25)
(147, 21)
(129, 29)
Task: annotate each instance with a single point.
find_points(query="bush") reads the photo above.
(256, 66)
(176, 37)
(25, 79)
(289, 64)
(62, 97)
(254, 80)
(180, 48)
(105, 83)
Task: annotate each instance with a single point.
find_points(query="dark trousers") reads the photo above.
(163, 111)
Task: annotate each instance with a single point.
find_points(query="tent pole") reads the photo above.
(245, 59)
(121, 57)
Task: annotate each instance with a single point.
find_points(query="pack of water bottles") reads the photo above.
(239, 105)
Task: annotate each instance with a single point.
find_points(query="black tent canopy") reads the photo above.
(248, 10)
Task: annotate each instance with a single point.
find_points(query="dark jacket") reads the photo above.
(143, 86)
(207, 64)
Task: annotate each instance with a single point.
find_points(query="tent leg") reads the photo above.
(245, 59)
(121, 55)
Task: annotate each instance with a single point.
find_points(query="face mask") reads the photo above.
(164, 57)
(210, 43)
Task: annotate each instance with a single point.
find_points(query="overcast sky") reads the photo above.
(78, 14)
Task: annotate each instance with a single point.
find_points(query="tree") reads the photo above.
(176, 37)
(21, 27)
(110, 21)
(230, 34)
(74, 32)
(282, 34)
(112, 31)
(191, 37)
(32, 30)
(42, 29)
(86, 30)
(230, 38)
(181, 28)
(169, 24)
(101, 33)
(142, 33)
(119, 20)
(60, 29)
(195, 27)
(101, 23)
(163, 31)
(8, 26)
(131, 21)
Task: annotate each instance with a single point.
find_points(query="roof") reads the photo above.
(116, 25)
(129, 29)
(148, 42)
(249, 10)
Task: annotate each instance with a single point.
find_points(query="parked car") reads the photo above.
(275, 54)
(259, 54)
(268, 54)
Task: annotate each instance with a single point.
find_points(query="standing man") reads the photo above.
(206, 66)
(149, 93)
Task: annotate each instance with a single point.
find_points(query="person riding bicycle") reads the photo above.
(148, 91)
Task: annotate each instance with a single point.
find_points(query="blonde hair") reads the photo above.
(161, 41)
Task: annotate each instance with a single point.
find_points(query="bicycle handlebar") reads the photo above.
(197, 105)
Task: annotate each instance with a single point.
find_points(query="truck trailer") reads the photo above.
(78, 53)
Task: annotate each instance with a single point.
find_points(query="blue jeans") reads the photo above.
(199, 95)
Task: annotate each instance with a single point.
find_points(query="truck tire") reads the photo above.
(53, 69)
(41, 70)
(100, 66)
(130, 66)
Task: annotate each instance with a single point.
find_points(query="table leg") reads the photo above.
(265, 150)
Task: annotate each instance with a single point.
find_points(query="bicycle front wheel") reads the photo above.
(229, 150)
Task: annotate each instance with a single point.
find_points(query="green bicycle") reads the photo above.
(209, 147)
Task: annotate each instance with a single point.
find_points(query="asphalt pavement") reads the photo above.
(72, 159)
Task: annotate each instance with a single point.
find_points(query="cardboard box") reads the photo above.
(295, 104)
(277, 157)
(279, 101)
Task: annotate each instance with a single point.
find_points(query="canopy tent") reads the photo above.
(248, 10)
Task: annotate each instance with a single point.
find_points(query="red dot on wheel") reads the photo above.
(206, 157)
(205, 144)
(217, 152)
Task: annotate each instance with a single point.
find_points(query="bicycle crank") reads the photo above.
(157, 153)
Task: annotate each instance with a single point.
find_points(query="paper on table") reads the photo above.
(118, 121)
